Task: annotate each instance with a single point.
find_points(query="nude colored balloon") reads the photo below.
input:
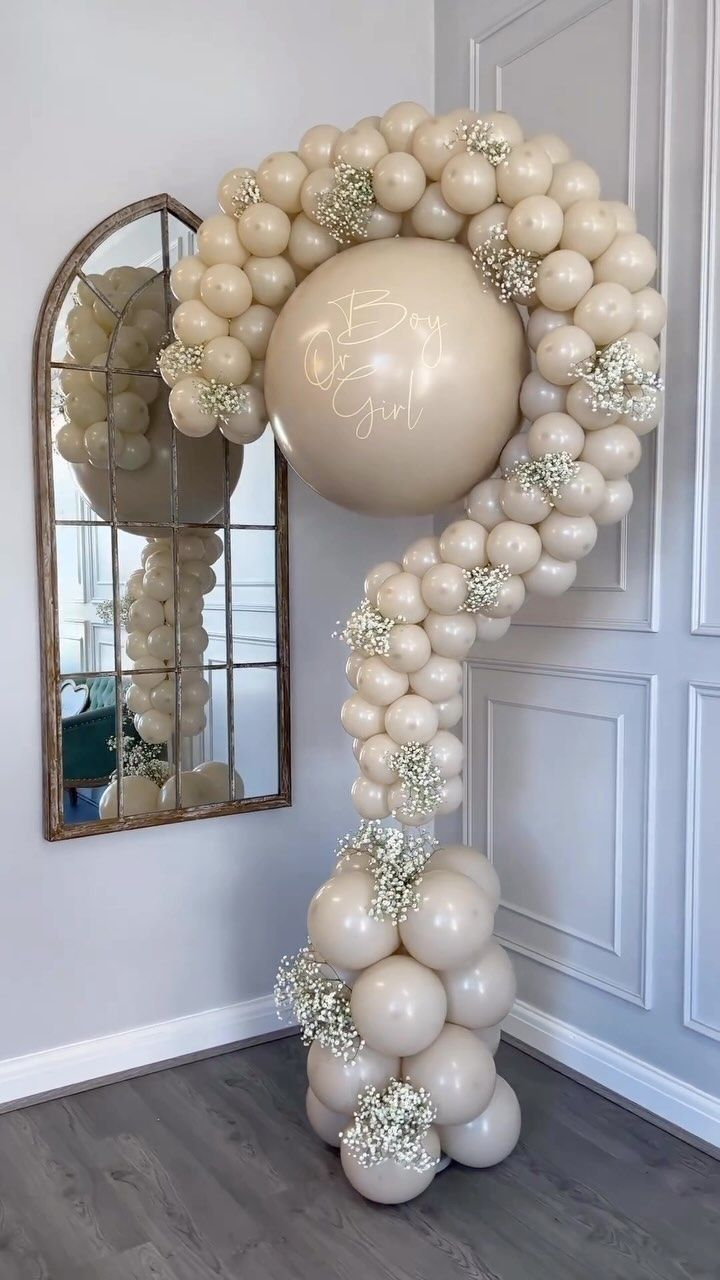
(538, 396)
(468, 183)
(606, 313)
(377, 575)
(421, 555)
(229, 185)
(340, 928)
(398, 1006)
(272, 280)
(155, 727)
(227, 360)
(327, 1124)
(389, 1182)
(489, 1138)
(226, 290)
(400, 597)
(650, 311)
(535, 224)
(248, 424)
(453, 921)
(616, 503)
(557, 149)
(590, 226)
(481, 993)
(579, 404)
(643, 347)
(280, 177)
(264, 229)
(444, 588)
(490, 629)
(433, 217)
(568, 537)
(374, 759)
(572, 181)
(370, 799)
(362, 147)
(651, 419)
(515, 451)
(399, 123)
(352, 666)
(315, 185)
(630, 260)
(379, 684)
(310, 244)
(451, 635)
(480, 227)
(337, 1083)
(504, 126)
(253, 329)
(185, 278)
(398, 182)
(410, 719)
(433, 144)
(438, 680)
(516, 545)
(189, 416)
(624, 216)
(582, 494)
(561, 351)
(483, 503)
(217, 241)
(316, 146)
(543, 320)
(510, 598)
(471, 863)
(615, 451)
(140, 795)
(550, 577)
(555, 433)
(528, 506)
(361, 719)
(462, 543)
(527, 171)
(447, 753)
(462, 380)
(458, 1073)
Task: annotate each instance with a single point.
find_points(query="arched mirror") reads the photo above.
(163, 559)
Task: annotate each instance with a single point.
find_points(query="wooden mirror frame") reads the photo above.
(56, 828)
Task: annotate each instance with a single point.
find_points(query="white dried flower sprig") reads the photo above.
(368, 631)
(320, 1002)
(420, 778)
(141, 760)
(246, 193)
(392, 1124)
(480, 139)
(548, 473)
(176, 360)
(397, 861)
(483, 586)
(345, 208)
(511, 272)
(619, 383)
(219, 400)
(105, 612)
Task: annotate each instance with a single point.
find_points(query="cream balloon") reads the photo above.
(471, 863)
(447, 753)
(410, 719)
(226, 290)
(560, 352)
(377, 575)
(615, 451)
(444, 588)
(280, 177)
(310, 244)
(564, 277)
(630, 260)
(398, 1006)
(535, 224)
(433, 217)
(453, 921)
(557, 149)
(481, 993)
(483, 503)
(606, 313)
(421, 555)
(568, 537)
(194, 323)
(340, 928)
(582, 493)
(389, 1182)
(541, 321)
(426, 399)
(526, 505)
(572, 181)
(316, 146)
(538, 396)
(352, 666)
(363, 147)
(468, 183)
(327, 1124)
(272, 280)
(579, 405)
(527, 171)
(616, 503)
(217, 241)
(253, 329)
(433, 144)
(226, 360)
(489, 1138)
(650, 311)
(360, 719)
(555, 433)
(337, 1083)
(400, 597)
(408, 648)
(379, 684)
(589, 228)
(449, 713)
(451, 635)
(185, 277)
(371, 800)
(463, 543)
(398, 182)
(516, 545)
(264, 230)
(139, 795)
(550, 577)
(458, 1072)
(399, 123)
(438, 680)
(374, 759)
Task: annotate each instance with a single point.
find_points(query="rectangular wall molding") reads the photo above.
(701, 699)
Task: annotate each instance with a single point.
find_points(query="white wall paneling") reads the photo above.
(702, 924)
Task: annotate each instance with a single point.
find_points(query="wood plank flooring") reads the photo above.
(208, 1171)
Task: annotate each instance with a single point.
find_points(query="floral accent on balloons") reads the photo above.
(368, 631)
(344, 210)
(511, 272)
(619, 382)
(420, 778)
(548, 473)
(392, 1124)
(246, 193)
(483, 586)
(320, 1002)
(219, 400)
(481, 139)
(176, 361)
(141, 760)
(396, 863)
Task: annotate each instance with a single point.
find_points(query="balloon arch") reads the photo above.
(458, 271)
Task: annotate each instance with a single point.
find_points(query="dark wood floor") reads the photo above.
(208, 1170)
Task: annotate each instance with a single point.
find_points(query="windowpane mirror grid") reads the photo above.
(163, 560)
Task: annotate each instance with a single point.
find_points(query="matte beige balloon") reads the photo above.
(408, 647)
(140, 795)
(399, 123)
(538, 396)
(226, 290)
(526, 172)
(582, 494)
(513, 544)
(433, 217)
(316, 146)
(650, 311)
(398, 182)
(572, 181)
(433, 143)
(579, 404)
(557, 149)
(362, 147)
(253, 329)
(463, 543)
(451, 635)
(337, 1083)
(226, 360)
(440, 679)
(590, 227)
(272, 280)
(400, 597)
(398, 1006)
(411, 719)
(185, 277)
(421, 555)
(444, 588)
(489, 1138)
(568, 537)
(630, 260)
(377, 575)
(471, 863)
(217, 241)
(606, 313)
(480, 226)
(453, 921)
(616, 503)
(360, 718)
(379, 684)
(447, 753)
(280, 177)
(468, 183)
(481, 993)
(340, 928)
(264, 229)
(535, 224)
(374, 759)
(615, 451)
(194, 323)
(483, 503)
(229, 186)
(561, 351)
(550, 577)
(555, 433)
(449, 713)
(389, 1182)
(526, 505)
(371, 799)
(458, 1072)
(327, 1124)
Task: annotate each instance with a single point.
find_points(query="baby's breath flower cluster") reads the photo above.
(246, 193)
(619, 383)
(392, 1124)
(176, 360)
(396, 863)
(367, 631)
(420, 777)
(480, 140)
(221, 401)
(548, 473)
(483, 586)
(105, 613)
(344, 209)
(511, 272)
(141, 760)
(320, 1003)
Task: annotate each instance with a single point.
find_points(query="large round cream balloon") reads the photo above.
(392, 377)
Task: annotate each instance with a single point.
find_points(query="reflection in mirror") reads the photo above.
(164, 559)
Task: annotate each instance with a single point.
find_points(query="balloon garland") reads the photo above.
(457, 270)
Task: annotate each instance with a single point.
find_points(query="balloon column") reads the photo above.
(477, 319)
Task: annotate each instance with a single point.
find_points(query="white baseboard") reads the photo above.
(672, 1100)
(74, 1066)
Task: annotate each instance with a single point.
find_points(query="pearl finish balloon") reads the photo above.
(650, 312)
(624, 215)
(400, 597)
(527, 506)
(504, 126)
(217, 241)
(535, 224)
(362, 147)
(398, 1006)
(316, 146)
(579, 404)
(433, 144)
(408, 647)
(449, 713)
(564, 277)
(550, 577)
(616, 503)
(399, 123)
(389, 1182)
(185, 278)
(479, 228)
(140, 795)
(463, 543)
(516, 545)
(248, 424)
(451, 796)
(471, 863)
(327, 1124)
(572, 181)
(561, 351)
(229, 186)
(590, 227)
(433, 217)
(227, 360)
(483, 503)
(374, 759)
(453, 922)
(438, 680)
(337, 1084)
(398, 182)
(280, 177)
(447, 753)
(644, 348)
(481, 993)
(468, 183)
(527, 171)
(377, 575)
(541, 321)
(310, 244)
(451, 635)
(489, 629)
(155, 727)
(615, 451)
(370, 800)
(557, 149)
(410, 719)
(339, 927)
(421, 555)
(489, 1138)
(253, 329)
(631, 260)
(360, 719)
(568, 537)
(510, 598)
(194, 323)
(264, 229)
(226, 290)
(457, 1071)
(582, 494)
(606, 313)
(185, 405)
(538, 396)
(444, 588)
(426, 396)
(352, 666)
(555, 433)
(272, 280)
(516, 450)
(379, 684)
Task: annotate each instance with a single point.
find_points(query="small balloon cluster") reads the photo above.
(116, 324)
